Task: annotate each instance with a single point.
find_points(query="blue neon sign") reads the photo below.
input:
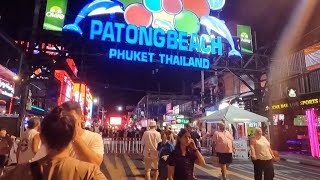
(161, 24)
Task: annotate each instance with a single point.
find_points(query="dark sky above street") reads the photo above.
(124, 83)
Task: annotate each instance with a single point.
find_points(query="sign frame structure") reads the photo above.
(55, 15)
(245, 35)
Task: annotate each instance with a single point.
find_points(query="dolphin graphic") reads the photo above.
(218, 26)
(163, 24)
(94, 8)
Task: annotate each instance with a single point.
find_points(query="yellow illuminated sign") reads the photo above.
(302, 103)
(280, 106)
(309, 102)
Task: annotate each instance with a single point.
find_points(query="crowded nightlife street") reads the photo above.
(160, 89)
(127, 166)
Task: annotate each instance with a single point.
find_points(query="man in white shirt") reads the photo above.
(150, 140)
(87, 146)
(30, 141)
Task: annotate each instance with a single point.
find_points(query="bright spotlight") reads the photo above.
(120, 108)
(15, 78)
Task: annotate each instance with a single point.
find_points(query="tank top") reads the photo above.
(263, 149)
(26, 153)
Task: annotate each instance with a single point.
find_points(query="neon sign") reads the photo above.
(163, 24)
(6, 88)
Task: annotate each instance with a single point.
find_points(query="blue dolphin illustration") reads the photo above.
(164, 24)
(218, 26)
(96, 7)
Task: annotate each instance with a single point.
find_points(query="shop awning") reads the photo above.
(233, 114)
(6, 73)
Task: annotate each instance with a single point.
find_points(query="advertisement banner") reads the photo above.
(244, 33)
(241, 147)
(55, 15)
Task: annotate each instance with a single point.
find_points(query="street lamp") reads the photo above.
(119, 108)
(95, 101)
(16, 78)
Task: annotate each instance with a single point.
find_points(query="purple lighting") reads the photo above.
(312, 132)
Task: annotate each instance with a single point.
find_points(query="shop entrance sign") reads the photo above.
(157, 24)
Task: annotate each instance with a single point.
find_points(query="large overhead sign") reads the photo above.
(156, 24)
(244, 32)
(55, 15)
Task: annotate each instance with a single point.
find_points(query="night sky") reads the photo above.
(123, 83)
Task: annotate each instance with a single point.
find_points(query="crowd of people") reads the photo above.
(59, 147)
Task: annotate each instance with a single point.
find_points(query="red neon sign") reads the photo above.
(115, 120)
(72, 66)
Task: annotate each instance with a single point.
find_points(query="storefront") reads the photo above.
(66, 86)
(7, 87)
(83, 95)
(295, 124)
(79, 92)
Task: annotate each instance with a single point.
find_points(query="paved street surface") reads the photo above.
(120, 167)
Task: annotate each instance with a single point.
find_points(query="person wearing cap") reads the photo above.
(30, 141)
(224, 147)
(150, 140)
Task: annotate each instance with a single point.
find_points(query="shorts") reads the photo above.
(225, 158)
(3, 160)
(149, 161)
(163, 172)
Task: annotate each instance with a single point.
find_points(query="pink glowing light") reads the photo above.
(312, 132)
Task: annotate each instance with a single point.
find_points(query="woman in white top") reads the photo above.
(29, 141)
(262, 156)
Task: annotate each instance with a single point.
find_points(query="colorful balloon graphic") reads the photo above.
(138, 15)
(198, 7)
(153, 5)
(216, 4)
(172, 6)
(187, 21)
(126, 3)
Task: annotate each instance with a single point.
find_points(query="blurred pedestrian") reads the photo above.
(224, 148)
(195, 135)
(6, 143)
(29, 142)
(170, 135)
(87, 146)
(58, 130)
(164, 148)
(262, 156)
(181, 161)
(150, 140)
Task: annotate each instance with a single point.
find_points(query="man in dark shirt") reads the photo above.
(195, 136)
(164, 148)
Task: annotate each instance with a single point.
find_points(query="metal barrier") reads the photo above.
(122, 145)
(207, 145)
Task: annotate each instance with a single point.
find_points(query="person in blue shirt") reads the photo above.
(164, 148)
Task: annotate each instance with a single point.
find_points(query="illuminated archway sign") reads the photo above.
(163, 24)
